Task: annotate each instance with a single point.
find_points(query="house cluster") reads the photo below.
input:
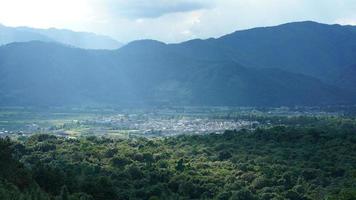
(172, 125)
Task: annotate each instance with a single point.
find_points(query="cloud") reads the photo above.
(171, 20)
(346, 21)
(155, 8)
(179, 20)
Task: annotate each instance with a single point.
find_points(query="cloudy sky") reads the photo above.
(170, 20)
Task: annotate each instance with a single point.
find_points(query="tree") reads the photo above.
(120, 161)
(64, 195)
(180, 165)
(243, 194)
(224, 155)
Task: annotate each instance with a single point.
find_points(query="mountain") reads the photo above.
(319, 50)
(8, 35)
(75, 76)
(78, 39)
(240, 69)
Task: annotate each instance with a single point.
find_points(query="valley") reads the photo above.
(265, 113)
(274, 153)
(75, 122)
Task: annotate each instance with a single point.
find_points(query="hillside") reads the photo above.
(78, 39)
(75, 76)
(310, 48)
(303, 63)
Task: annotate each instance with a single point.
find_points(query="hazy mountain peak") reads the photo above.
(294, 25)
(83, 40)
(142, 45)
(39, 44)
(146, 42)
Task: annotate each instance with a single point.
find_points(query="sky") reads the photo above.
(171, 21)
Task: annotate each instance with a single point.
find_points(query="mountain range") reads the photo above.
(83, 40)
(301, 63)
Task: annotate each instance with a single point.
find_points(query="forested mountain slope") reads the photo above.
(303, 63)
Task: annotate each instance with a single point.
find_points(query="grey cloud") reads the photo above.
(156, 8)
(170, 20)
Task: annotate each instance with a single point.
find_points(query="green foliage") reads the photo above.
(180, 166)
(284, 162)
(243, 194)
(64, 193)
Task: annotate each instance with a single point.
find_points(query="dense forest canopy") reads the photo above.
(313, 161)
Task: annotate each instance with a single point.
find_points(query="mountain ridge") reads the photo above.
(85, 40)
(199, 72)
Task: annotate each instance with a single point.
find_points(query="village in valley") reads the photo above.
(153, 122)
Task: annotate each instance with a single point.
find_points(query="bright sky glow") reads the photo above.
(170, 20)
